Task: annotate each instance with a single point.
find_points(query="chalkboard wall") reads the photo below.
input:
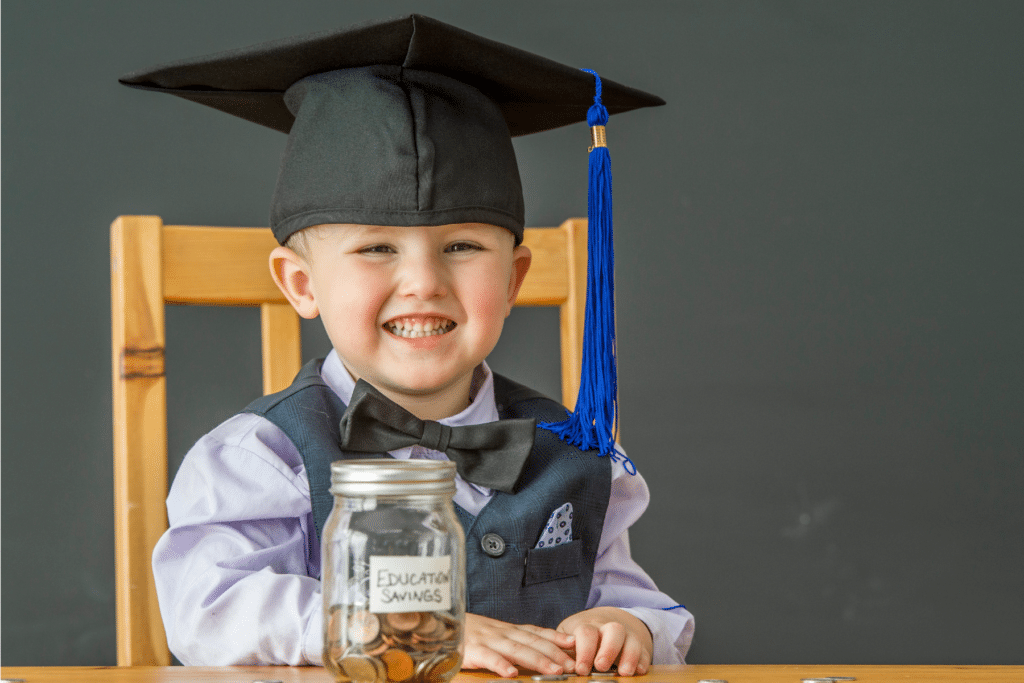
(820, 301)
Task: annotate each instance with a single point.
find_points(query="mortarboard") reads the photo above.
(408, 121)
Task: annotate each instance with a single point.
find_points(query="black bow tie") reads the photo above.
(490, 454)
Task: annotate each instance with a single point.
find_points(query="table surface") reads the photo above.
(733, 673)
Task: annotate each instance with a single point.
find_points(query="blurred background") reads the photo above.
(820, 294)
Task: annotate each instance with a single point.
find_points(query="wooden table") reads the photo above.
(733, 673)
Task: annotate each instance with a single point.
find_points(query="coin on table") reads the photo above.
(603, 674)
(363, 669)
(438, 669)
(712, 680)
(841, 678)
(398, 664)
(363, 627)
(550, 677)
(403, 621)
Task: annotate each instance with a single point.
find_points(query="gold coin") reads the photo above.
(333, 652)
(333, 616)
(427, 645)
(362, 669)
(403, 621)
(438, 669)
(363, 627)
(399, 665)
(398, 639)
(427, 624)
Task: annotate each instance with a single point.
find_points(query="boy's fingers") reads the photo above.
(613, 635)
(631, 656)
(500, 646)
(644, 665)
(531, 650)
(478, 657)
(562, 640)
(587, 640)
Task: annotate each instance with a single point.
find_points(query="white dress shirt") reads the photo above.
(233, 571)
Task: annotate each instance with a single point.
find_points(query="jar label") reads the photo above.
(410, 583)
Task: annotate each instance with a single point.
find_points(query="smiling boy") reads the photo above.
(400, 214)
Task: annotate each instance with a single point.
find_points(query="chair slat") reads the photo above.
(140, 435)
(573, 308)
(282, 346)
(547, 283)
(226, 266)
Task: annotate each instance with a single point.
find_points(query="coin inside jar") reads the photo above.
(363, 627)
(398, 663)
(429, 627)
(363, 669)
(333, 653)
(437, 669)
(403, 621)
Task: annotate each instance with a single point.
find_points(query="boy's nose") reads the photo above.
(423, 278)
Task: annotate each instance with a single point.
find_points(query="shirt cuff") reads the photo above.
(313, 639)
(671, 631)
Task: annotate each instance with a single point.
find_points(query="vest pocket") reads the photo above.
(557, 562)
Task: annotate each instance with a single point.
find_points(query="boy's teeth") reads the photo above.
(409, 328)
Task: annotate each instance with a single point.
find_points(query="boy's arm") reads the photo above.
(620, 582)
(232, 572)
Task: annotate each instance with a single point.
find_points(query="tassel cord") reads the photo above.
(594, 423)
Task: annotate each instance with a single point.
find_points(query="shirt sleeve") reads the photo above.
(235, 574)
(620, 582)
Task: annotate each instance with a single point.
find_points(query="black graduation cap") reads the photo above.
(408, 121)
(404, 121)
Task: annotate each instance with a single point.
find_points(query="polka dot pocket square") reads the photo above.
(558, 530)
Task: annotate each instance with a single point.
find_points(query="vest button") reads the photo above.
(493, 545)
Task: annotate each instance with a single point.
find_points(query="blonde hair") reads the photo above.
(301, 242)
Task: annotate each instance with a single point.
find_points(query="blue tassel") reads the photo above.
(594, 424)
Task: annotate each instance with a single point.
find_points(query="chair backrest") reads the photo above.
(152, 264)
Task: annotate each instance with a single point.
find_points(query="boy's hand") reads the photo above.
(501, 647)
(606, 636)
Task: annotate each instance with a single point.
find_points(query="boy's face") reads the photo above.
(412, 310)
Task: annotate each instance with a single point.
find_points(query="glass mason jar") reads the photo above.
(394, 573)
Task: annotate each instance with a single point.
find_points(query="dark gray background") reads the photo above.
(819, 285)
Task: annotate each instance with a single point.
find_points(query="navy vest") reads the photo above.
(522, 584)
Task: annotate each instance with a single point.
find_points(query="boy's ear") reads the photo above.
(522, 257)
(291, 273)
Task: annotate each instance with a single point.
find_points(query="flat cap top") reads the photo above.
(533, 93)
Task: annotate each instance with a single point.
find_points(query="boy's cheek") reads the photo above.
(490, 313)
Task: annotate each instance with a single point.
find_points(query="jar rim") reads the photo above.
(391, 476)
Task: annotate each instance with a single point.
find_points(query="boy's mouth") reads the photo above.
(412, 328)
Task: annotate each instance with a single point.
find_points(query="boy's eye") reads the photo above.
(377, 249)
(461, 246)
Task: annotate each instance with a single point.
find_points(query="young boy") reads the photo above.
(399, 210)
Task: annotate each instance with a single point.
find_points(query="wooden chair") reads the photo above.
(152, 264)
